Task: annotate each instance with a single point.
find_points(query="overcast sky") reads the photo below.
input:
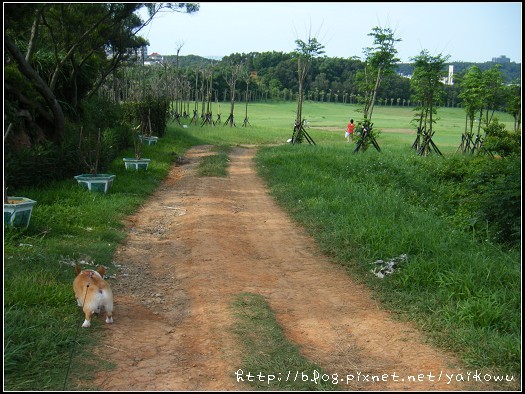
(469, 32)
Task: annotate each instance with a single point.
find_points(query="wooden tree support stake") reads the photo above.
(366, 136)
(300, 131)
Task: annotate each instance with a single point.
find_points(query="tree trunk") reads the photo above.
(378, 80)
(232, 104)
(301, 71)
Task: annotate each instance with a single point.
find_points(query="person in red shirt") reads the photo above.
(350, 127)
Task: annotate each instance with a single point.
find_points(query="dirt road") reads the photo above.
(202, 240)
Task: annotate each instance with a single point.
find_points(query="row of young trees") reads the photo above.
(274, 77)
(429, 71)
(481, 93)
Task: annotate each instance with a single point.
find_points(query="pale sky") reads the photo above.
(469, 32)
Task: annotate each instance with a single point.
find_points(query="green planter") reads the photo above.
(98, 183)
(149, 140)
(17, 211)
(136, 164)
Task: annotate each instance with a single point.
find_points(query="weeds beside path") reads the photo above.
(200, 242)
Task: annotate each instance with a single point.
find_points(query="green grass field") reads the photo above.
(459, 286)
(272, 122)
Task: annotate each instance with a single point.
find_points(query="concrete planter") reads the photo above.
(99, 182)
(17, 211)
(149, 140)
(136, 164)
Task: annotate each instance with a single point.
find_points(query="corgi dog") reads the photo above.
(93, 293)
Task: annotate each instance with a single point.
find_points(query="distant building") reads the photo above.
(449, 80)
(154, 58)
(134, 55)
(501, 59)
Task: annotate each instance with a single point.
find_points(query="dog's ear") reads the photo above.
(101, 270)
(77, 269)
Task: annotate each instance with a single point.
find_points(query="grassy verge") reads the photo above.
(463, 292)
(271, 361)
(42, 340)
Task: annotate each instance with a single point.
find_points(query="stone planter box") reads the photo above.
(99, 182)
(136, 164)
(149, 140)
(17, 211)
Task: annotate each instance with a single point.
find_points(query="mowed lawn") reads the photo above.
(326, 123)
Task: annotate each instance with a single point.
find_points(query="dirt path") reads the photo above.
(202, 240)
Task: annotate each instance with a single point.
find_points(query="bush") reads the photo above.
(152, 110)
(40, 164)
(498, 187)
(47, 161)
(483, 195)
(500, 141)
(99, 113)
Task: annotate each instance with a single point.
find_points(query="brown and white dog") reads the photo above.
(93, 293)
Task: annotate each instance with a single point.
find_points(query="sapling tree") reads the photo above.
(513, 103)
(247, 78)
(231, 77)
(380, 60)
(304, 53)
(195, 117)
(178, 87)
(494, 92)
(482, 92)
(206, 94)
(428, 90)
(89, 149)
(472, 101)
